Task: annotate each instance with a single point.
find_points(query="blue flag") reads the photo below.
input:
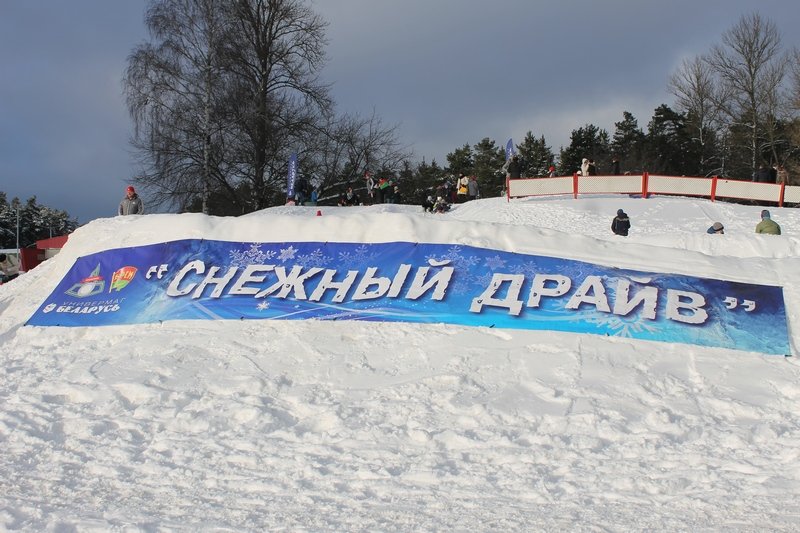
(509, 149)
(292, 177)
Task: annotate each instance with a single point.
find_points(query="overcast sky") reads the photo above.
(448, 72)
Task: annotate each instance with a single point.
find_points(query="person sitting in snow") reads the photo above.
(350, 197)
(767, 226)
(716, 228)
(441, 205)
(621, 223)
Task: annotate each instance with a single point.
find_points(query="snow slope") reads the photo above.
(355, 426)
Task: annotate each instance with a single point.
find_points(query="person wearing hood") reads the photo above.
(621, 223)
(584, 167)
(131, 204)
(716, 229)
(767, 226)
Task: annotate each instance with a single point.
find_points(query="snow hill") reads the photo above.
(359, 426)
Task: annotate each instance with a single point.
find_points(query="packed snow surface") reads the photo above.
(357, 426)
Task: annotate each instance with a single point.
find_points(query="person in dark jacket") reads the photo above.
(762, 175)
(716, 229)
(621, 223)
(131, 204)
(513, 167)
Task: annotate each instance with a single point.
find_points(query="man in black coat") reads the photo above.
(621, 223)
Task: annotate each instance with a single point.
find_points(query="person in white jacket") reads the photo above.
(585, 167)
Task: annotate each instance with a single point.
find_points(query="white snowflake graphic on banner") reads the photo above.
(494, 263)
(287, 254)
(315, 259)
(360, 257)
(252, 256)
(463, 282)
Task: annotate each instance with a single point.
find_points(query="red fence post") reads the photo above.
(780, 200)
(714, 188)
(645, 177)
(575, 186)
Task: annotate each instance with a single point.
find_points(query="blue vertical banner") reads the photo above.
(509, 149)
(411, 282)
(291, 178)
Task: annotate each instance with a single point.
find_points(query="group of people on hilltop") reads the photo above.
(621, 225)
(774, 174)
(382, 191)
(462, 189)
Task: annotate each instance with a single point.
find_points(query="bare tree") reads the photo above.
(750, 66)
(276, 100)
(350, 145)
(172, 87)
(697, 95)
(222, 95)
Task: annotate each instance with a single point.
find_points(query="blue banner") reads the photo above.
(509, 149)
(411, 282)
(291, 177)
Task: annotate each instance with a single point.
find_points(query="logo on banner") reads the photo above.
(94, 284)
(121, 278)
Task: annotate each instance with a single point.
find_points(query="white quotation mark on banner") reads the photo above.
(732, 303)
(157, 270)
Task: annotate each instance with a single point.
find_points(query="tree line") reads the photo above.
(36, 222)
(224, 92)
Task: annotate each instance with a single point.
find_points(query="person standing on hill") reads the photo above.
(370, 199)
(621, 223)
(584, 167)
(767, 226)
(131, 204)
(462, 188)
(762, 175)
(615, 166)
(513, 168)
(783, 176)
(472, 188)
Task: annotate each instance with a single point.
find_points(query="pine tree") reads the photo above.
(489, 159)
(536, 154)
(628, 143)
(590, 142)
(460, 161)
(670, 148)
